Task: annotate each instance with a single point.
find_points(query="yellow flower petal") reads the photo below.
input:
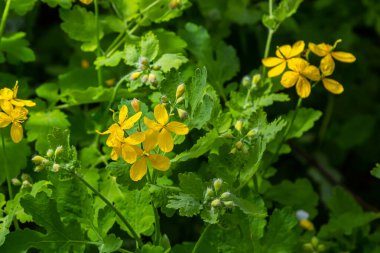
(16, 132)
(165, 141)
(276, 71)
(138, 151)
(6, 93)
(289, 78)
(5, 120)
(6, 106)
(128, 153)
(327, 65)
(151, 140)
(123, 114)
(344, 56)
(312, 72)
(161, 114)
(135, 138)
(284, 51)
(303, 87)
(297, 48)
(177, 128)
(159, 162)
(297, 64)
(127, 124)
(333, 86)
(138, 169)
(319, 50)
(116, 151)
(271, 61)
(151, 124)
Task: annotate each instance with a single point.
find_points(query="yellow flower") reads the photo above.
(284, 53)
(116, 130)
(157, 161)
(8, 96)
(87, 2)
(326, 51)
(15, 115)
(161, 125)
(125, 149)
(332, 85)
(300, 71)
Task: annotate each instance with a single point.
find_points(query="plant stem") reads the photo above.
(117, 212)
(269, 39)
(326, 119)
(195, 249)
(98, 49)
(9, 183)
(4, 18)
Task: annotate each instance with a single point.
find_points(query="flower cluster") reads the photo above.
(299, 72)
(13, 111)
(142, 148)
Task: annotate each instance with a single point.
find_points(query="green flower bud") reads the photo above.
(156, 67)
(255, 80)
(216, 203)
(227, 135)
(180, 90)
(245, 81)
(314, 241)
(321, 248)
(164, 99)
(239, 145)
(180, 100)
(37, 159)
(252, 132)
(56, 167)
(49, 153)
(152, 78)
(144, 78)
(143, 63)
(218, 184)
(173, 4)
(209, 193)
(239, 125)
(135, 75)
(233, 151)
(182, 114)
(16, 182)
(26, 177)
(58, 151)
(39, 168)
(26, 184)
(135, 104)
(225, 195)
(229, 204)
(308, 247)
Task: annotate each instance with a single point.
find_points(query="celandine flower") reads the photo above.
(283, 53)
(299, 73)
(125, 149)
(157, 161)
(164, 127)
(15, 115)
(8, 96)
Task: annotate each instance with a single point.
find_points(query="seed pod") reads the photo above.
(218, 184)
(239, 125)
(180, 90)
(135, 75)
(135, 104)
(182, 114)
(216, 203)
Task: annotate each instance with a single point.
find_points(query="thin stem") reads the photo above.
(98, 49)
(117, 86)
(247, 97)
(4, 18)
(117, 212)
(269, 39)
(195, 249)
(326, 119)
(157, 234)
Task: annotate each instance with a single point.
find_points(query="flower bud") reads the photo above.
(218, 184)
(306, 224)
(245, 81)
(135, 75)
(144, 78)
(233, 151)
(26, 184)
(143, 63)
(216, 203)
(135, 104)
(225, 195)
(156, 67)
(180, 100)
(173, 4)
(227, 135)
(39, 168)
(56, 167)
(110, 82)
(239, 145)
(321, 248)
(229, 204)
(26, 177)
(209, 193)
(58, 151)
(84, 64)
(239, 125)
(255, 80)
(180, 90)
(37, 159)
(252, 132)
(308, 247)
(152, 78)
(314, 241)
(164, 99)
(16, 182)
(182, 114)
(302, 215)
(49, 153)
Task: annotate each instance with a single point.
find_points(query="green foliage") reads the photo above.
(16, 49)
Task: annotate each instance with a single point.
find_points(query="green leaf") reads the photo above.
(196, 88)
(21, 7)
(254, 207)
(169, 61)
(302, 195)
(186, 204)
(16, 48)
(111, 61)
(66, 4)
(48, 91)
(149, 46)
(169, 42)
(305, 119)
(111, 243)
(17, 156)
(269, 99)
(126, 9)
(147, 248)
(376, 171)
(80, 24)
(284, 10)
(161, 11)
(131, 55)
(192, 184)
(43, 122)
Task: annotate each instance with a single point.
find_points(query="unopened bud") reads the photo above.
(255, 80)
(135, 104)
(164, 99)
(152, 78)
(252, 132)
(216, 203)
(84, 64)
(302, 215)
(306, 224)
(144, 78)
(49, 153)
(308, 247)
(26, 184)
(37, 159)
(143, 62)
(245, 81)
(209, 192)
(180, 100)
(26, 177)
(321, 248)
(239, 125)
(218, 184)
(227, 135)
(56, 167)
(86, 2)
(135, 75)
(16, 182)
(239, 145)
(173, 4)
(58, 151)
(229, 204)
(233, 151)
(225, 195)
(180, 90)
(156, 67)
(39, 168)
(314, 241)
(110, 82)
(182, 114)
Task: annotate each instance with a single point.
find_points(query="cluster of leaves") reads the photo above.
(223, 184)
